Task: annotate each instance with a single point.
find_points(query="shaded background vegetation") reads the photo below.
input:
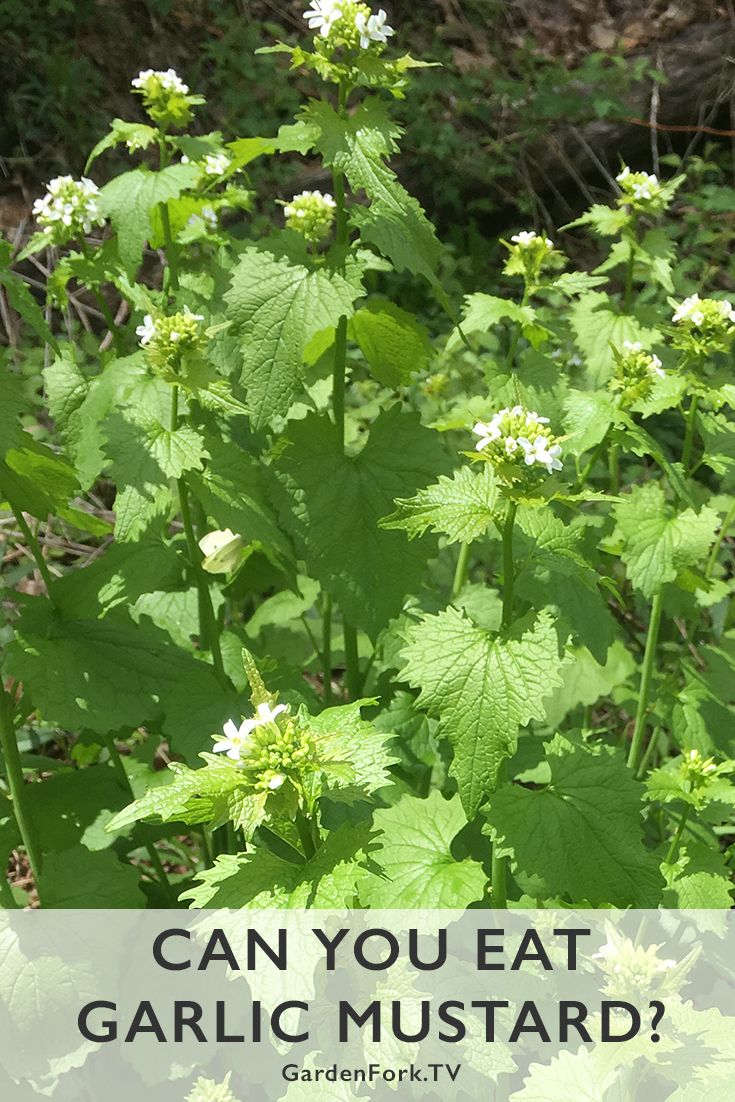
(529, 109)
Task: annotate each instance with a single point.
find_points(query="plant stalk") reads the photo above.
(327, 646)
(508, 567)
(674, 847)
(34, 547)
(14, 770)
(686, 454)
(352, 661)
(497, 874)
(460, 574)
(714, 553)
(155, 860)
(646, 678)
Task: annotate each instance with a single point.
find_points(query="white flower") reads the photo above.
(621, 176)
(237, 738)
(511, 445)
(146, 331)
(532, 418)
(167, 80)
(216, 164)
(276, 782)
(488, 430)
(321, 15)
(539, 451)
(373, 28)
(68, 204)
(632, 346)
(656, 367)
(529, 237)
(689, 310)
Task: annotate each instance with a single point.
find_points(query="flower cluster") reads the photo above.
(635, 372)
(165, 97)
(348, 23)
(212, 165)
(167, 339)
(311, 214)
(530, 253)
(69, 209)
(642, 192)
(206, 1090)
(631, 968)
(268, 748)
(517, 443)
(704, 325)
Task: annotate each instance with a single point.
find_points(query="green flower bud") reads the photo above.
(311, 214)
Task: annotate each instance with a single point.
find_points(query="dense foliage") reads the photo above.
(393, 614)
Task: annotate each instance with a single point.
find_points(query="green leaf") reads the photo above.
(21, 299)
(232, 490)
(214, 794)
(145, 456)
(586, 681)
(261, 879)
(482, 312)
(394, 344)
(79, 879)
(700, 879)
(105, 675)
(121, 131)
(658, 543)
(461, 507)
(605, 221)
(394, 222)
(588, 414)
(483, 688)
(355, 754)
(277, 305)
(128, 201)
(554, 571)
(74, 808)
(718, 435)
(597, 325)
(331, 504)
(35, 479)
(415, 856)
(581, 833)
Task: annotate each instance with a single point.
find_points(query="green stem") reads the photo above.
(499, 897)
(460, 574)
(513, 346)
(352, 661)
(340, 340)
(208, 626)
(613, 466)
(171, 276)
(674, 847)
(686, 454)
(14, 773)
(34, 548)
(711, 562)
(155, 860)
(206, 847)
(508, 568)
(630, 269)
(327, 646)
(587, 471)
(649, 657)
(498, 868)
(647, 755)
(629, 279)
(306, 835)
